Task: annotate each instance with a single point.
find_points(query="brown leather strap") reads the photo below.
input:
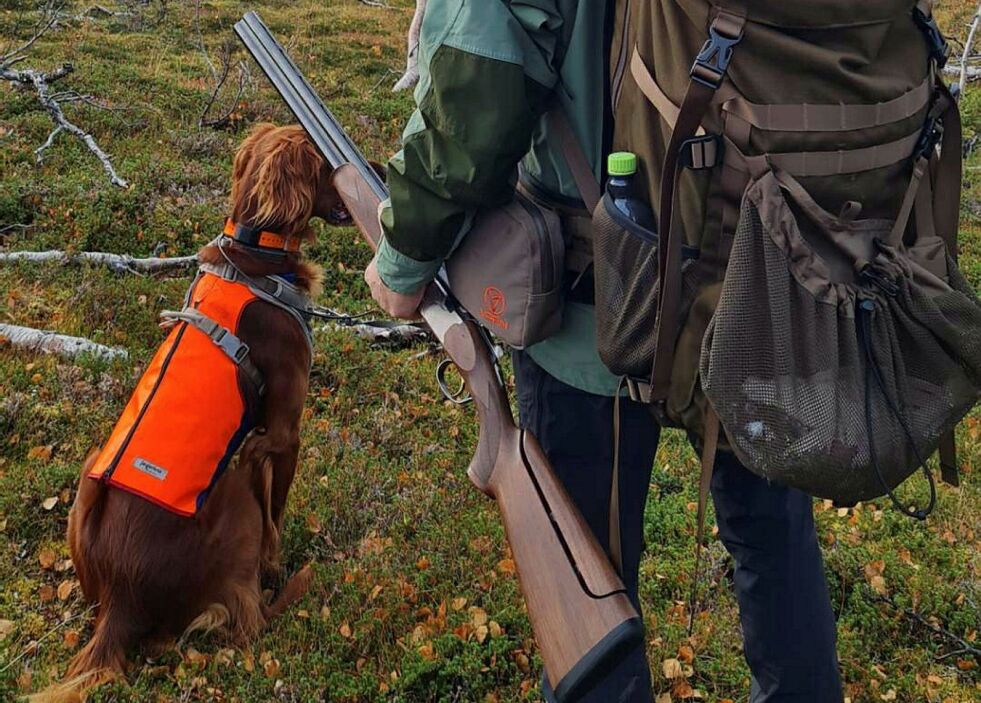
(652, 91)
(575, 158)
(948, 459)
(616, 552)
(830, 118)
(701, 89)
(710, 444)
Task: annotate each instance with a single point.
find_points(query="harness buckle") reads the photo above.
(713, 59)
(939, 48)
(234, 347)
(700, 153)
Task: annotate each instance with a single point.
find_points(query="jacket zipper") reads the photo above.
(546, 265)
(107, 474)
(621, 58)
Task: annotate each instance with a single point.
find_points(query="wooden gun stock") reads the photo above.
(582, 618)
(580, 613)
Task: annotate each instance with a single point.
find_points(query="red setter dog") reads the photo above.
(154, 574)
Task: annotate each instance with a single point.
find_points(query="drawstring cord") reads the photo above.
(872, 371)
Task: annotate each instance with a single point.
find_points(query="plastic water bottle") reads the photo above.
(622, 167)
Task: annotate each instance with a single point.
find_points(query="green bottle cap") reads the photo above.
(621, 163)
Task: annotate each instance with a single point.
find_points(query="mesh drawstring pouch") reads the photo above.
(838, 356)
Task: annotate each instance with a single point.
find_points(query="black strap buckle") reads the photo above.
(712, 61)
(939, 49)
(933, 132)
(700, 153)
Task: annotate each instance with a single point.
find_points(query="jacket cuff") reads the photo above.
(402, 273)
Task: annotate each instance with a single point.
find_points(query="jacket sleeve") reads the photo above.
(487, 69)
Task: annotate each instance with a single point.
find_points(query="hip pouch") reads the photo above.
(838, 356)
(508, 271)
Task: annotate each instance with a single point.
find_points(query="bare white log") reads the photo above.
(962, 80)
(971, 73)
(411, 75)
(123, 263)
(396, 333)
(43, 341)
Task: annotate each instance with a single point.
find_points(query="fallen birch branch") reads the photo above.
(122, 263)
(382, 332)
(33, 340)
(970, 73)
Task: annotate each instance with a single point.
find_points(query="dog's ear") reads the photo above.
(243, 157)
(286, 181)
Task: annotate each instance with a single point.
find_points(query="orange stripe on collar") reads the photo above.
(260, 238)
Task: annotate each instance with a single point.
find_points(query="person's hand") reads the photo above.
(398, 305)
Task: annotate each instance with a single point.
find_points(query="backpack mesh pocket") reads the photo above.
(626, 273)
(838, 387)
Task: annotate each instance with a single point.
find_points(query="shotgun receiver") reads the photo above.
(579, 610)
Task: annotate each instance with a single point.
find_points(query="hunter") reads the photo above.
(489, 72)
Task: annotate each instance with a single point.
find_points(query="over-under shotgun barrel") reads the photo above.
(580, 613)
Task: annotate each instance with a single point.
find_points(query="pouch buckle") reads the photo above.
(713, 59)
(933, 132)
(700, 153)
(939, 48)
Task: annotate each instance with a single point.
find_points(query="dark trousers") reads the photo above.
(787, 621)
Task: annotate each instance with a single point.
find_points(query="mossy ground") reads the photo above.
(409, 558)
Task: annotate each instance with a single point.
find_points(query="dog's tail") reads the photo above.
(101, 660)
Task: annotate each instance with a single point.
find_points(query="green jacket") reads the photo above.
(489, 70)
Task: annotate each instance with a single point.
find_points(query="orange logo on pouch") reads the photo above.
(494, 306)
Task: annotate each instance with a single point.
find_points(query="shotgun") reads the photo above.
(579, 610)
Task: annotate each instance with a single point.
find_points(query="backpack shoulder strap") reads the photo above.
(575, 157)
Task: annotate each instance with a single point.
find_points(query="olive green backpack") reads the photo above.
(804, 163)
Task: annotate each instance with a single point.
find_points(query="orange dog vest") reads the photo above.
(187, 416)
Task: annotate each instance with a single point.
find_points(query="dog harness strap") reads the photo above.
(273, 290)
(224, 339)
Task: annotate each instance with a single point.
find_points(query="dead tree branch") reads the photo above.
(121, 263)
(965, 646)
(962, 80)
(41, 82)
(219, 78)
(42, 341)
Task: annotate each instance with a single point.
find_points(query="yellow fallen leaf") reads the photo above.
(878, 584)
(271, 668)
(46, 593)
(46, 557)
(672, 669)
(478, 616)
(889, 695)
(506, 566)
(65, 589)
(458, 603)
(6, 627)
(49, 503)
(71, 639)
(481, 633)
(427, 652)
(41, 453)
(345, 630)
(495, 629)
(423, 563)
